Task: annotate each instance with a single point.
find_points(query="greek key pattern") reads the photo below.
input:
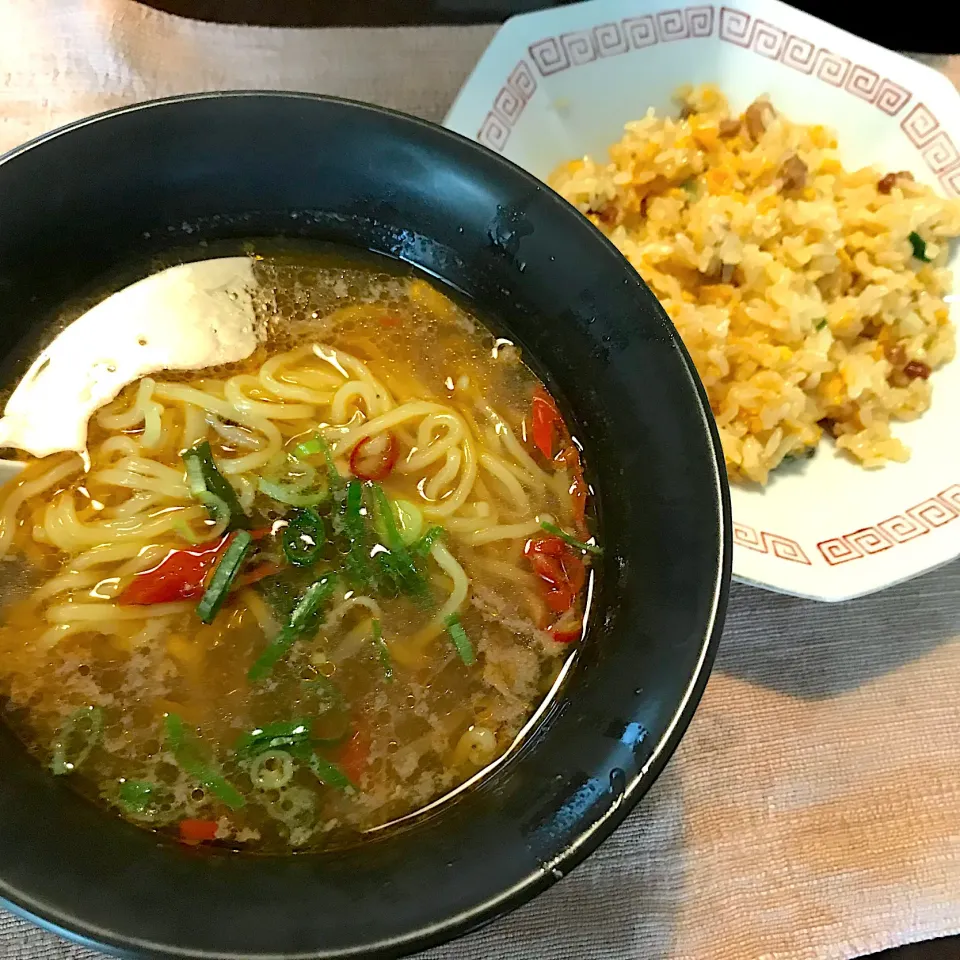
(762, 541)
(555, 54)
(919, 124)
(915, 521)
(508, 104)
(800, 54)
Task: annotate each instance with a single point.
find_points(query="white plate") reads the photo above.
(561, 83)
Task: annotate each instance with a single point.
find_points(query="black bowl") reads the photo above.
(121, 188)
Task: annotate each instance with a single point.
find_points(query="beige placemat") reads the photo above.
(813, 809)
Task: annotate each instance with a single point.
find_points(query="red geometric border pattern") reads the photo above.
(837, 550)
(951, 183)
(768, 40)
(508, 104)
(914, 522)
(863, 83)
(494, 132)
(554, 54)
(762, 541)
(940, 153)
(744, 536)
(892, 98)
(918, 124)
(831, 68)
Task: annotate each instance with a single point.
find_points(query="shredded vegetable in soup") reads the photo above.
(280, 602)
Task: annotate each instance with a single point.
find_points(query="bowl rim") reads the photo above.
(74, 928)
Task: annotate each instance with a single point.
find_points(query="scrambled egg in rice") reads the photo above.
(811, 298)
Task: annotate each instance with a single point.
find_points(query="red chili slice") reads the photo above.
(546, 425)
(183, 574)
(570, 458)
(375, 463)
(354, 755)
(567, 629)
(560, 568)
(544, 416)
(193, 832)
(180, 575)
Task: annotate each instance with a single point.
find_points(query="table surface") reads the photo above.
(315, 13)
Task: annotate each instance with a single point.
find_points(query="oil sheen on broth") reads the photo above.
(295, 598)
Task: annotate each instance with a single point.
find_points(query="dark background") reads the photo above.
(897, 29)
(896, 26)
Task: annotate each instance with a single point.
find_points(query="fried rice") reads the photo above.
(810, 297)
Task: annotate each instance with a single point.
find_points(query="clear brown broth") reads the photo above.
(405, 741)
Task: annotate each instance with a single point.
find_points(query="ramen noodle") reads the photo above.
(283, 601)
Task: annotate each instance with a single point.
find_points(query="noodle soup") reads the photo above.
(285, 600)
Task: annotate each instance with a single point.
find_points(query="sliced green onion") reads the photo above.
(194, 468)
(821, 324)
(355, 504)
(189, 534)
(337, 485)
(312, 447)
(383, 651)
(573, 541)
(302, 475)
(223, 576)
(355, 530)
(186, 752)
(292, 494)
(147, 801)
(409, 520)
(309, 448)
(303, 537)
(423, 546)
(272, 779)
(272, 654)
(210, 487)
(218, 509)
(400, 565)
(86, 727)
(804, 453)
(386, 517)
(329, 773)
(283, 734)
(307, 608)
(919, 247)
(302, 617)
(390, 575)
(460, 639)
(137, 795)
(334, 741)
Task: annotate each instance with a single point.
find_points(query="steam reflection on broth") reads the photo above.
(278, 602)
